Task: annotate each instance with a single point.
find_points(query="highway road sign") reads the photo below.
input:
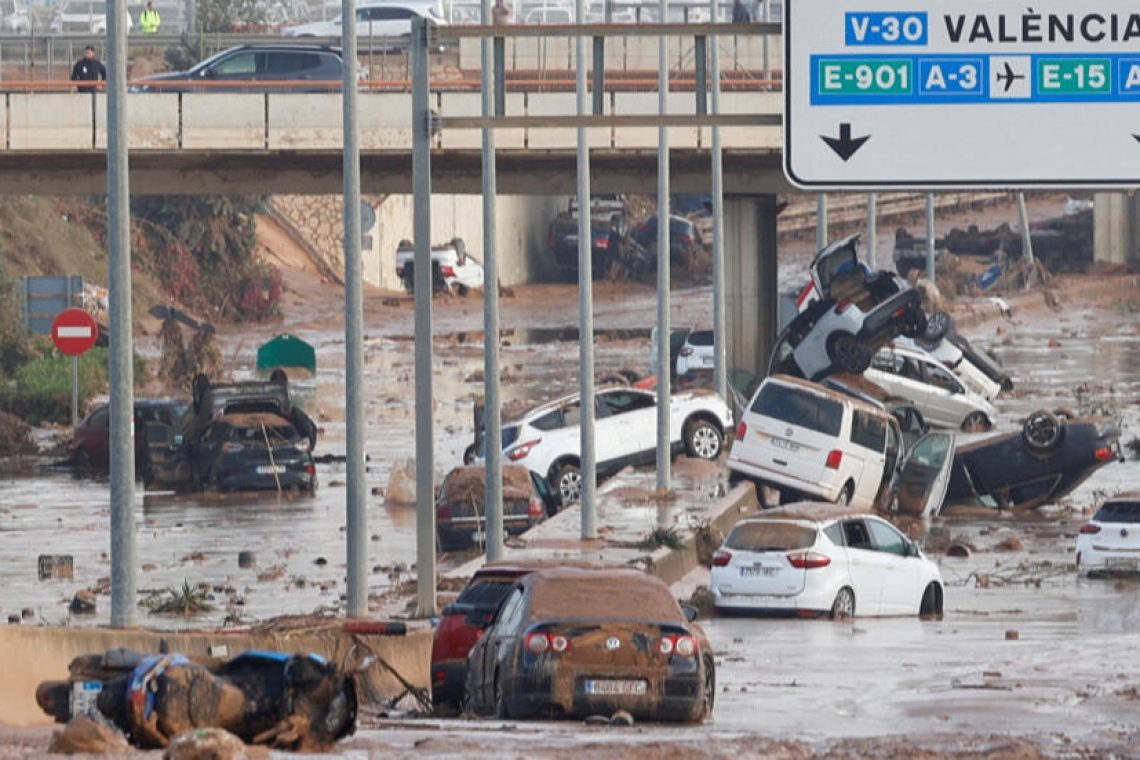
(74, 331)
(885, 94)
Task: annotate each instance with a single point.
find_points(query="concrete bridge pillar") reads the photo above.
(751, 297)
(1116, 228)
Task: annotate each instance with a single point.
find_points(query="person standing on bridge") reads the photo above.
(740, 14)
(500, 13)
(88, 69)
(149, 19)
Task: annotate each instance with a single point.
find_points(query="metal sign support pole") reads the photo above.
(872, 231)
(664, 461)
(422, 285)
(122, 439)
(720, 322)
(930, 237)
(356, 517)
(585, 299)
(492, 408)
(820, 222)
(74, 391)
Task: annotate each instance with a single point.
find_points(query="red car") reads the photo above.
(91, 439)
(463, 621)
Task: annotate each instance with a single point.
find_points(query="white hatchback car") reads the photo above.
(816, 558)
(697, 352)
(1109, 543)
(547, 439)
(940, 396)
(950, 355)
(391, 18)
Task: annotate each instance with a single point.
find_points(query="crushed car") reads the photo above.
(1050, 456)
(249, 451)
(453, 269)
(563, 648)
(294, 702)
(848, 311)
(461, 509)
(819, 559)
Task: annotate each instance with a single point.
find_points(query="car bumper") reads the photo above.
(255, 481)
(463, 536)
(1108, 563)
(676, 697)
(825, 491)
(448, 682)
(813, 600)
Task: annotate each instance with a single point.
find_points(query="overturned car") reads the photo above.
(1051, 455)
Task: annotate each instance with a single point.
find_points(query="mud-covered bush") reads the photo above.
(18, 345)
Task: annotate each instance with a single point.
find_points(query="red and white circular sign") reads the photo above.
(74, 331)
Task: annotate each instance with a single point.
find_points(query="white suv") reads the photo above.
(803, 438)
(547, 439)
(939, 395)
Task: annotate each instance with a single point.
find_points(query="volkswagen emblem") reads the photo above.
(1124, 532)
(788, 432)
(612, 643)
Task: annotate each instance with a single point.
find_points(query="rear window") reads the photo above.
(799, 407)
(600, 596)
(770, 536)
(701, 338)
(1119, 512)
(486, 594)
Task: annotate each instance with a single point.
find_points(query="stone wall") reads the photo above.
(520, 232)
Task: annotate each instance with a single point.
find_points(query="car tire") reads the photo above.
(937, 325)
(709, 690)
(703, 440)
(976, 422)
(845, 494)
(499, 708)
(1043, 431)
(81, 460)
(461, 290)
(847, 353)
(843, 608)
(915, 326)
(931, 603)
(566, 480)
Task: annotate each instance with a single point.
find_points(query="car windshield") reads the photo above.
(1119, 512)
(770, 537)
(799, 407)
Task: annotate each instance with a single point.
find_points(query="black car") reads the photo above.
(256, 68)
(684, 238)
(1052, 454)
(567, 643)
(252, 451)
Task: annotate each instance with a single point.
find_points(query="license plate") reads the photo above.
(780, 443)
(1121, 564)
(83, 697)
(616, 687)
(748, 572)
(270, 469)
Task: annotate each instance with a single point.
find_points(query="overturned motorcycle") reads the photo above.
(297, 702)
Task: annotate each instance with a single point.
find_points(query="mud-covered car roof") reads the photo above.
(618, 594)
(808, 511)
(470, 482)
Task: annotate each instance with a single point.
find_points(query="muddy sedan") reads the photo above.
(561, 647)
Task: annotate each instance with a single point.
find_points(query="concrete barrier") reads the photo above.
(33, 655)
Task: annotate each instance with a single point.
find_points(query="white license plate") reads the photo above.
(1121, 564)
(84, 696)
(747, 572)
(616, 687)
(270, 469)
(780, 443)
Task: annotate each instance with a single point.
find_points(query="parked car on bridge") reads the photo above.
(547, 439)
(558, 646)
(88, 16)
(376, 20)
(257, 68)
(815, 558)
(15, 17)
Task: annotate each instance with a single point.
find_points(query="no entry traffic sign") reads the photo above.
(74, 331)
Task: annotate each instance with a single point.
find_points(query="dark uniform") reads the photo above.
(88, 69)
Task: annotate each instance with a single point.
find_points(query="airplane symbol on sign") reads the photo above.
(1008, 76)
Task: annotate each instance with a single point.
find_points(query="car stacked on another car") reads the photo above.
(812, 558)
(547, 439)
(562, 645)
(942, 398)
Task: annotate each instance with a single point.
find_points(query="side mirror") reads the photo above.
(691, 613)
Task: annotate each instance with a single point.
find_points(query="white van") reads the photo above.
(805, 439)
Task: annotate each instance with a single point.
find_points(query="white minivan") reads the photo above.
(802, 438)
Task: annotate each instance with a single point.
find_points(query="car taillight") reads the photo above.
(443, 513)
(721, 558)
(1090, 528)
(834, 457)
(536, 509)
(447, 270)
(310, 469)
(808, 560)
(522, 450)
(602, 242)
(682, 646)
(898, 312)
(1103, 454)
(842, 306)
(686, 240)
(541, 643)
(686, 351)
(438, 676)
(230, 447)
(741, 429)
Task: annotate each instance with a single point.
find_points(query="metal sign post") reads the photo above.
(927, 94)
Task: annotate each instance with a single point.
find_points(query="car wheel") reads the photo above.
(702, 439)
(848, 353)
(937, 325)
(844, 497)
(500, 706)
(567, 482)
(931, 601)
(843, 608)
(709, 690)
(81, 460)
(916, 326)
(462, 291)
(976, 422)
(1043, 431)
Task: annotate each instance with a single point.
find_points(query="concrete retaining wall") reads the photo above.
(33, 655)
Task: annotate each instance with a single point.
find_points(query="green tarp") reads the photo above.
(286, 351)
